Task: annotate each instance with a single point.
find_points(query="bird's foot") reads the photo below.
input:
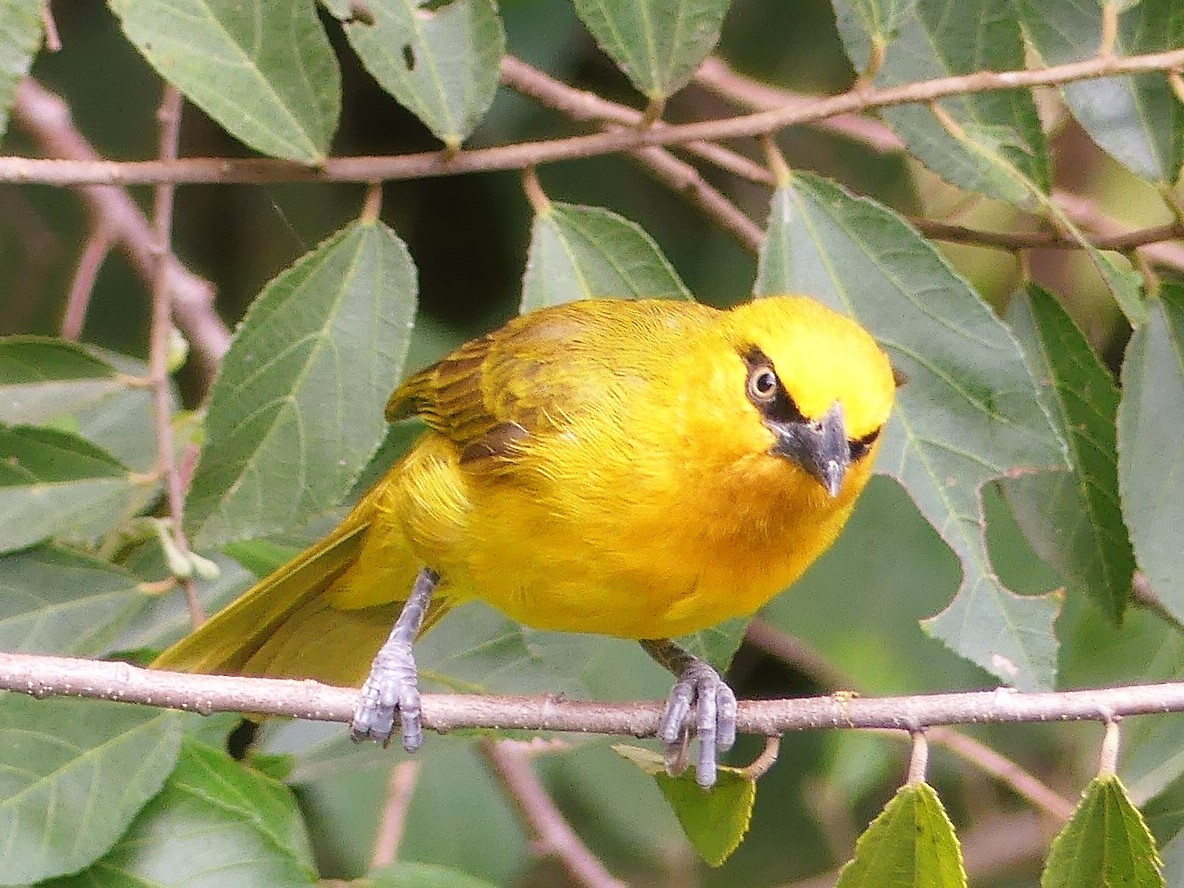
(391, 690)
(715, 720)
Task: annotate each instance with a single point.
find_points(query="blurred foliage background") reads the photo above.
(853, 619)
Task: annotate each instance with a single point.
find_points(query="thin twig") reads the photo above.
(715, 75)
(681, 177)
(1004, 770)
(979, 755)
(94, 251)
(46, 119)
(161, 330)
(552, 834)
(45, 676)
(53, 40)
(211, 170)
(399, 792)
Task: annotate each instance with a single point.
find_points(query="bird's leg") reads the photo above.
(393, 685)
(715, 708)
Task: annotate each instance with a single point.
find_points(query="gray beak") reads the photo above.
(820, 447)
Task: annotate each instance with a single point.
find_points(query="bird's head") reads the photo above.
(816, 387)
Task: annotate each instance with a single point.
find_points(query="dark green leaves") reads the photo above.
(657, 43)
(910, 845)
(214, 822)
(263, 70)
(969, 412)
(1136, 119)
(55, 483)
(298, 406)
(588, 253)
(1151, 447)
(1073, 518)
(1106, 843)
(20, 36)
(73, 773)
(440, 61)
(989, 142)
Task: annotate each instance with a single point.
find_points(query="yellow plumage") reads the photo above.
(600, 466)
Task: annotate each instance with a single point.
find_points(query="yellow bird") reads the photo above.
(640, 469)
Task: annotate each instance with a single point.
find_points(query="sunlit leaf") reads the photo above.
(1073, 519)
(440, 61)
(714, 821)
(1106, 843)
(1151, 447)
(215, 822)
(73, 774)
(969, 412)
(20, 37)
(1135, 118)
(995, 145)
(54, 483)
(657, 43)
(265, 71)
(911, 844)
(589, 252)
(297, 408)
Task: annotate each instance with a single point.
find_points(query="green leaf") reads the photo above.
(83, 389)
(20, 38)
(910, 845)
(657, 43)
(406, 874)
(996, 146)
(215, 822)
(1106, 843)
(440, 61)
(714, 820)
(1136, 119)
(579, 252)
(1151, 448)
(73, 774)
(1073, 519)
(297, 408)
(265, 71)
(969, 412)
(53, 601)
(717, 644)
(54, 483)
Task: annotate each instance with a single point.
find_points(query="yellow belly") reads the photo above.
(626, 563)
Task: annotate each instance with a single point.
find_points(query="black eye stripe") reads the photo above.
(781, 407)
(860, 446)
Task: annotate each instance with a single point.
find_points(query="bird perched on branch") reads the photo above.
(641, 469)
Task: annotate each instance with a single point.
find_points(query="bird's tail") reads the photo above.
(285, 625)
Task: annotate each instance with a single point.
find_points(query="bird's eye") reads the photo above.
(762, 384)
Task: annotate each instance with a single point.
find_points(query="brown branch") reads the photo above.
(399, 792)
(94, 251)
(552, 834)
(46, 119)
(715, 75)
(797, 653)
(1120, 241)
(211, 170)
(44, 676)
(679, 176)
(160, 335)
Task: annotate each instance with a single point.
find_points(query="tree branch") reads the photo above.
(46, 119)
(553, 835)
(45, 676)
(210, 170)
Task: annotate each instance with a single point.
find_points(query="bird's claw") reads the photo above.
(715, 720)
(391, 689)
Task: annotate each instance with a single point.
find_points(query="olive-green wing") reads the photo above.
(537, 373)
